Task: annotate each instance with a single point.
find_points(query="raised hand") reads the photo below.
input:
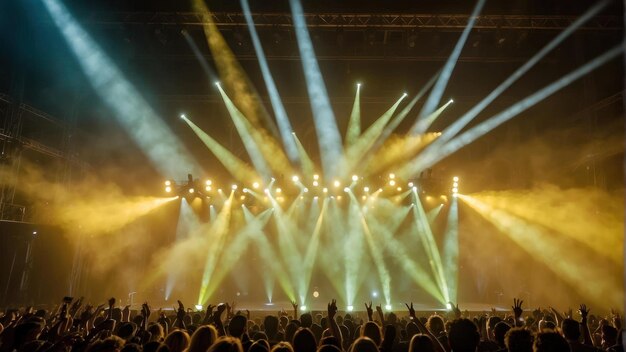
(332, 309)
(517, 308)
(145, 310)
(180, 313)
(583, 311)
(370, 311)
(410, 309)
(455, 309)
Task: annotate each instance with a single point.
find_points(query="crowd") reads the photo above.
(75, 327)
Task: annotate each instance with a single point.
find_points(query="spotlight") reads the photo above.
(366, 189)
(295, 178)
(455, 190)
(208, 182)
(448, 306)
(358, 84)
(233, 187)
(266, 191)
(350, 308)
(182, 116)
(168, 189)
(392, 183)
(355, 178)
(242, 197)
(392, 176)
(191, 190)
(207, 188)
(455, 185)
(325, 190)
(168, 183)
(34, 233)
(374, 294)
(316, 294)
(399, 189)
(346, 189)
(245, 190)
(414, 189)
(220, 190)
(388, 306)
(255, 185)
(451, 100)
(217, 83)
(404, 94)
(316, 177)
(198, 306)
(305, 190)
(303, 308)
(278, 190)
(315, 184)
(455, 179)
(338, 197)
(363, 197)
(410, 184)
(337, 184)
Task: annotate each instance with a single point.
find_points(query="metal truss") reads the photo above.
(357, 21)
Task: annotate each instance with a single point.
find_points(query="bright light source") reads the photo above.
(455, 179)
(34, 232)
(245, 190)
(316, 177)
(338, 197)
(388, 306)
(455, 185)
(448, 306)
(315, 184)
(392, 183)
(363, 197)
(305, 190)
(429, 198)
(191, 190)
(316, 294)
(451, 101)
(220, 190)
(392, 176)
(337, 184)
(207, 188)
(198, 306)
(366, 189)
(278, 190)
(168, 189)
(455, 190)
(355, 178)
(295, 178)
(410, 184)
(358, 84)
(350, 308)
(303, 307)
(325, 190)
(404, 94)
(266, 191)
(217, 83)
(168, 183)
(182, 116)
(414, 189)
(242, 198)
(399, 189)
(255, 185)
(346, 189)
(374, 294)
(233, 187)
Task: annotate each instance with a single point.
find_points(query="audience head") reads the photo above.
(304, 341)
(463, 336)
(499, 331)
(570, 329)
(237, 326)
(421, 343)
(177, 341)
(371, 330)
(226, 344)
(435, 324)
(550, 341)
(519, 340)
(364, 344)
(202, 338)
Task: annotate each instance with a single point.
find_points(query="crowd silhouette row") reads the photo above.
(77, 327)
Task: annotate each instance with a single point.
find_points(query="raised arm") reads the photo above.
(334, 328)
(370, 312)
(517, 311)
(424, 330)
(584, 312)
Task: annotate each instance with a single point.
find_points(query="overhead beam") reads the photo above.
(355, 21)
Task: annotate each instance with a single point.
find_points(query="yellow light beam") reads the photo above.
(307, 165)
(354, 124)
(235, 166)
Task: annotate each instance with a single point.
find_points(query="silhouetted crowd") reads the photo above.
(77, 327)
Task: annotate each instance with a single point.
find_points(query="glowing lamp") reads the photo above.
(366, 189)
(350, 308)
(337, 184)
(455, 179)
(207, 188)
(448, 306)
(346, 189)
(392, 183)
(198, 306)
(388, 306)
(325, 190)
(315, 184)
(392, 176)
(316, 177)
(168, 183)
(233, 187)
(208, 182)
(168, 189)
(303, 307)
(255, 185)
(191, 190)
(355, 178)
(295, 178)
